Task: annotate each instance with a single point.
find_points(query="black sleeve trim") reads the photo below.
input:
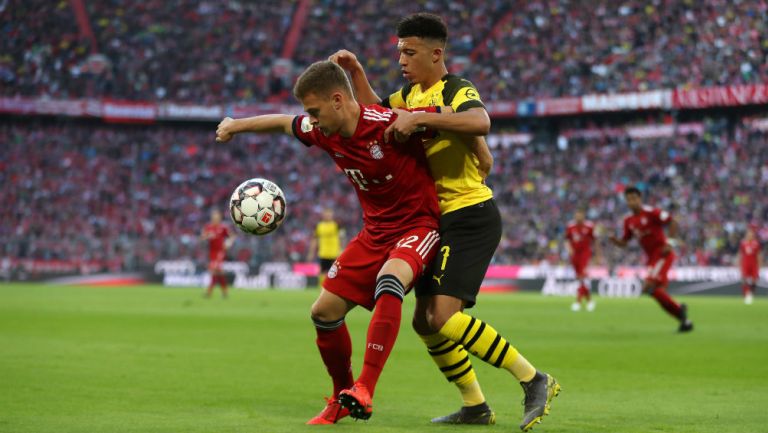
(466, 105)
(295, 128)
(385, 103)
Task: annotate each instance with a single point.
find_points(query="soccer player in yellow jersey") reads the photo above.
(326, 242)
(470, 226)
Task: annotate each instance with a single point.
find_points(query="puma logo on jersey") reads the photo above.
(436, 278)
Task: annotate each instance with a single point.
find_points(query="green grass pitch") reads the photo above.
(153, 359)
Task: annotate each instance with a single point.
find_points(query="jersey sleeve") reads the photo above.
(461, 95)
(304, 131)
(395, 100)
(662, 216)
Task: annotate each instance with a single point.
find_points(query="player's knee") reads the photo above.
(437, 318)
(321, 313)
(421, 325)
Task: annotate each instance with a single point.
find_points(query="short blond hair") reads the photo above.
(322, 78)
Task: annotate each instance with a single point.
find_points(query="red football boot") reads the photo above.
(358, 400)
(332, 413)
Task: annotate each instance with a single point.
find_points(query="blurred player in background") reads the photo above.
(580, 236)
(219, 240)
(399, 236)
(647, 224)
(470, 226)
(326, 243)
(749, 261)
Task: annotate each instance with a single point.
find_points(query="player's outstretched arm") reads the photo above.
(267, 123)
(618, 242)
(474, 121)
(672, 230)
(360, 84)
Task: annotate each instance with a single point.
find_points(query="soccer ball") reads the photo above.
(257, 206)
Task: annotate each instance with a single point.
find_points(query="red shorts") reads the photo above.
(353, 274)
(580, 263)
(750, 273)
(658, 268)
(216, 258)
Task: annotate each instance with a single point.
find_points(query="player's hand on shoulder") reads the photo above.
(225, 130)
(346, 59)
(446, 109)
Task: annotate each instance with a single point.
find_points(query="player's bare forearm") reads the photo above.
(268, 123)
(362, 87)
(672, 230)
(360, 84)
(479, 147)
(621, 243)
(474, 121)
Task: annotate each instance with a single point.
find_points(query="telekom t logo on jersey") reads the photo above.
(357, 177)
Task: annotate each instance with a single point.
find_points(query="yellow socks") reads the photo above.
(455, 365)
(484, 342)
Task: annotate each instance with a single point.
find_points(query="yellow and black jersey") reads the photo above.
(452, 162)
(328, 242)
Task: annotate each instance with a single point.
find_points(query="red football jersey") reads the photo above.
(217, 233)
(392, 180)
(648, 227)
(580, 236)
(749, 251)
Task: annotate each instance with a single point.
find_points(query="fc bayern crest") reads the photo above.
(376, 151)
(334, 270)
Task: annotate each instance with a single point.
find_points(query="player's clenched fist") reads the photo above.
(346, 59)
(225, 130)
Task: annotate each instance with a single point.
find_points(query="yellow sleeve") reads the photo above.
(395, 100)
(465, 98)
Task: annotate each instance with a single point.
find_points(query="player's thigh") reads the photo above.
(216, 263)
(658, 271)
(329, 307)
(579, 266)
(410, 256)
(469, 238)
(353, 275)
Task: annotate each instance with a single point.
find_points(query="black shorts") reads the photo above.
(468, 239)
(325, 265)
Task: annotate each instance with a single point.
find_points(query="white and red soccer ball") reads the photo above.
(257, 206)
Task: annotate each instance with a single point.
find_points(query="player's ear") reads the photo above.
(437, 54)
(337, 100)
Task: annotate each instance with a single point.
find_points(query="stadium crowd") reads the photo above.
(226, 51)
(134, 195)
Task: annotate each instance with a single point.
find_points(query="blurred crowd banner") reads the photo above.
(620, 281)
(142, 112)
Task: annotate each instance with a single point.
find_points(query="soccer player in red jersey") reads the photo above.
(647, 225)
(219, 239)
(749, 261)
(400, 232)
(580, 236)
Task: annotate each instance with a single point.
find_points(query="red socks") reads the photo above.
(335, 347)
(583, 292)
(666, 302)
(383, 329)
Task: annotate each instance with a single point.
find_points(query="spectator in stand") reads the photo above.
(218, 51)
(132, 195)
